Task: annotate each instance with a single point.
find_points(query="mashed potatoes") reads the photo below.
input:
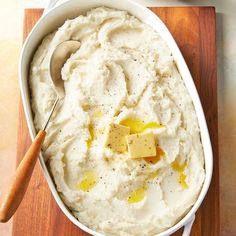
(122, 74)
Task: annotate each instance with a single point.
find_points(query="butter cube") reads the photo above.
(116, 137)
(141, 145)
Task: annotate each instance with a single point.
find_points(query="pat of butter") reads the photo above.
(141, 145)
(116, 137)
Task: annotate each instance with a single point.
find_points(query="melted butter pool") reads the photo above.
(88, 182)
(137, 195)
(138, 126)
(180, 168)
(155, 159)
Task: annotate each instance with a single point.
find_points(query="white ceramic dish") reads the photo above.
(72, 8)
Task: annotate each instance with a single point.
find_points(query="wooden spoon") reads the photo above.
(20, 180)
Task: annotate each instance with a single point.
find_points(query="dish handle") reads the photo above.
(188, 226)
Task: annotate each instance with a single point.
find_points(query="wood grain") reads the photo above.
(194, 31)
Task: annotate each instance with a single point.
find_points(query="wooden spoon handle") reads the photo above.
(20, 181)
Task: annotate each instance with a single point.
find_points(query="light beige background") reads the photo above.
(11, 19)
(10, 44)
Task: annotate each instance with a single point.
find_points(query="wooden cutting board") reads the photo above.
(194, 31)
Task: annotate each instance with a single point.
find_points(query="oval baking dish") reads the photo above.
(56, 17)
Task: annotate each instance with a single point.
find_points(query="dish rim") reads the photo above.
(183, 70)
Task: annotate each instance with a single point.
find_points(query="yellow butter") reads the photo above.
(141, 145)
(92, 135)
(177, 166)
(153, 175)
(138, 126)
(116, 137)
(88, 182)
(152, 125)
(98, 114)
(180, 168)
(182, 181)
(137, 195)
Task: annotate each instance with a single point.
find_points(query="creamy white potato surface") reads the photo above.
(123, 77)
